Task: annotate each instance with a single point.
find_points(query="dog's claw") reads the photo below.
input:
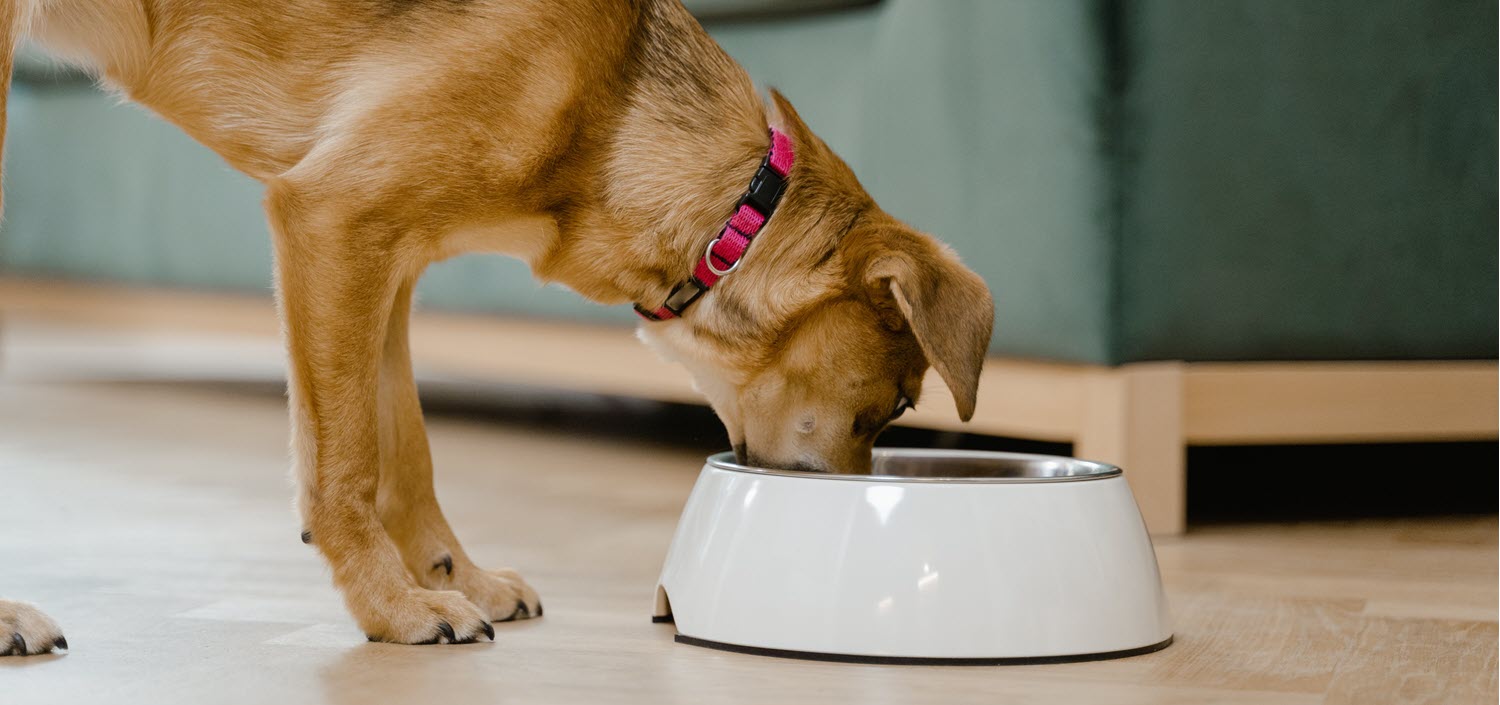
(538, 608)
(521, 613)
(307, 537)
(445, 634)
(61, 643)
(17, 644)
(446, 563)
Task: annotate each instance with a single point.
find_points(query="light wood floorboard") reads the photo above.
(153, 521)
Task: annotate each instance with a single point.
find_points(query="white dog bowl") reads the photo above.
(937, 556)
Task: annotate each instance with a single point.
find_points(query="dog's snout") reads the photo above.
(745, 458)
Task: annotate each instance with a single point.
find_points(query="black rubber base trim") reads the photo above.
(919, 660)
(662, 618)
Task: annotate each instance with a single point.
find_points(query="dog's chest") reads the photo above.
(527, 238)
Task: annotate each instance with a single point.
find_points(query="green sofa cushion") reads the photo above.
(1308, 180)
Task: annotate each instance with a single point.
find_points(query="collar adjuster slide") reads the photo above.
(684, 294)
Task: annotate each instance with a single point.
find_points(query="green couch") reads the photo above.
(1136, 179)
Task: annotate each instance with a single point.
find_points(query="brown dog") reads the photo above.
(604, 142)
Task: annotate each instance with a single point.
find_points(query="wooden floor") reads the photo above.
(153, 521)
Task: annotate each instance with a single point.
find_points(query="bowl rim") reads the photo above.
(1095, 470)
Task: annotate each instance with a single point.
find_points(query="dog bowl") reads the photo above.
(937, 556)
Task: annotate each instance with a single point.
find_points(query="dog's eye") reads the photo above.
(902, 404)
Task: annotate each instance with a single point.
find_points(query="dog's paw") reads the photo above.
(26, 631)
(501, 594)
(423, 616)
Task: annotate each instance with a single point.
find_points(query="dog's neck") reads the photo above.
(671, 169)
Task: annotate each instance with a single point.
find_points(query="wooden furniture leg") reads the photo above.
(1133, 419)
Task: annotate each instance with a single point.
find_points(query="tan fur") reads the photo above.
(26, 631)
(604, 142)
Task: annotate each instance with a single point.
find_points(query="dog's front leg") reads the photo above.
(339, 269)
(407, 503)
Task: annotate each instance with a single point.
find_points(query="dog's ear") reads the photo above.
(947, 305)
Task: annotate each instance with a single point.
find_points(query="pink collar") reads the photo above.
(724, 252)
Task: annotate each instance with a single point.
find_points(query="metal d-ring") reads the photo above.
(708, 259)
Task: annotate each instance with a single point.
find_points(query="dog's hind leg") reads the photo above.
(24, 629)
(339, 268)
(407, 504)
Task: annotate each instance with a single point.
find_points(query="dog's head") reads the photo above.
(823, 335)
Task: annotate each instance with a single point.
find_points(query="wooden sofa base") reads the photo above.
(1140, 416)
